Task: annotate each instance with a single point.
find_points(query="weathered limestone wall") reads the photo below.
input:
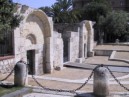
(83, 38)
(50, 48)
(64, 27)
(29, 37)
(6, 66)
(35, 33)
(57, 51)
(90, 42)
(73, 45)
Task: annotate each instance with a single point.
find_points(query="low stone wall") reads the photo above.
(103, 52)
(112, 58)
(7, 65)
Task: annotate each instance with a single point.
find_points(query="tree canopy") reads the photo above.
(96, 8)
(62, 12)
(116, 26)
(7, 18)
(47, 10)
(110, 24)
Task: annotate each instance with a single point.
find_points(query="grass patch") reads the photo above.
(5, 90)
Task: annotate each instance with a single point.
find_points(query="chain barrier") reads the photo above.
(8, 75)
(117, 80)
(48, 89)
(74, 91)
(12, 71)
(70, 91)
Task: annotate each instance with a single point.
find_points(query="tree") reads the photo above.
(47, 10)
(63, 12)
(94, 10)
(8, 20)
(105, 2)
(116, 26)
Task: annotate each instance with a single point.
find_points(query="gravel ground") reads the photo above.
(71, 86)
(70, 73)
(122, 55)
(75, 74)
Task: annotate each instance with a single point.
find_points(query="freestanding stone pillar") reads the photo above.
(20, 74)
(101, 82)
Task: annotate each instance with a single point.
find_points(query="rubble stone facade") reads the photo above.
(44, 48)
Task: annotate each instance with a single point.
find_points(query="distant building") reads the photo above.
(116, 4)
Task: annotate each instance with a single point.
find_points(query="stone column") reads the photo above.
(90, 42)
(101, 82)
(49, 55)
(81, 41)
(70, 49)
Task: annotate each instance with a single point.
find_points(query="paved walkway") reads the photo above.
(81, 81)
(122, 55)
(43, 95)
(104, 60)
(80, 95)
(113, 68)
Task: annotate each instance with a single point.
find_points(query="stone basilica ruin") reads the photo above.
(46, 46)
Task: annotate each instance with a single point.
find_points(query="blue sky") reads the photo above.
(36, 3)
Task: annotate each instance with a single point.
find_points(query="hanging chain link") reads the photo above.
(117, 80)
(8, 74)
(48, 89)
(70, 91)
(61, 90)
(90, 76)
(12, 71)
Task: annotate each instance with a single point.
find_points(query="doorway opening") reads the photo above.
(66, 50)
(85, 51)
(31, 61)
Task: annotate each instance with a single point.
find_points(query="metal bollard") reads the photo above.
(20, 74)
(101, 82)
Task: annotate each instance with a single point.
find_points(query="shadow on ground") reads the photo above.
(7, 85)
(85, 95)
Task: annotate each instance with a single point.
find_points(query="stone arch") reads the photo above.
(42, 16)
(46, 28)
(31, 38)
(40, 41)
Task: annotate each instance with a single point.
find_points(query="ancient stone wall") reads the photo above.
(71, 40)
(63, 27)
(49, 49)
(57, 51)
(34, 33)
(6, 66)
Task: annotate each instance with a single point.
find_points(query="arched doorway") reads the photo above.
(37, 30)
(31, 62)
